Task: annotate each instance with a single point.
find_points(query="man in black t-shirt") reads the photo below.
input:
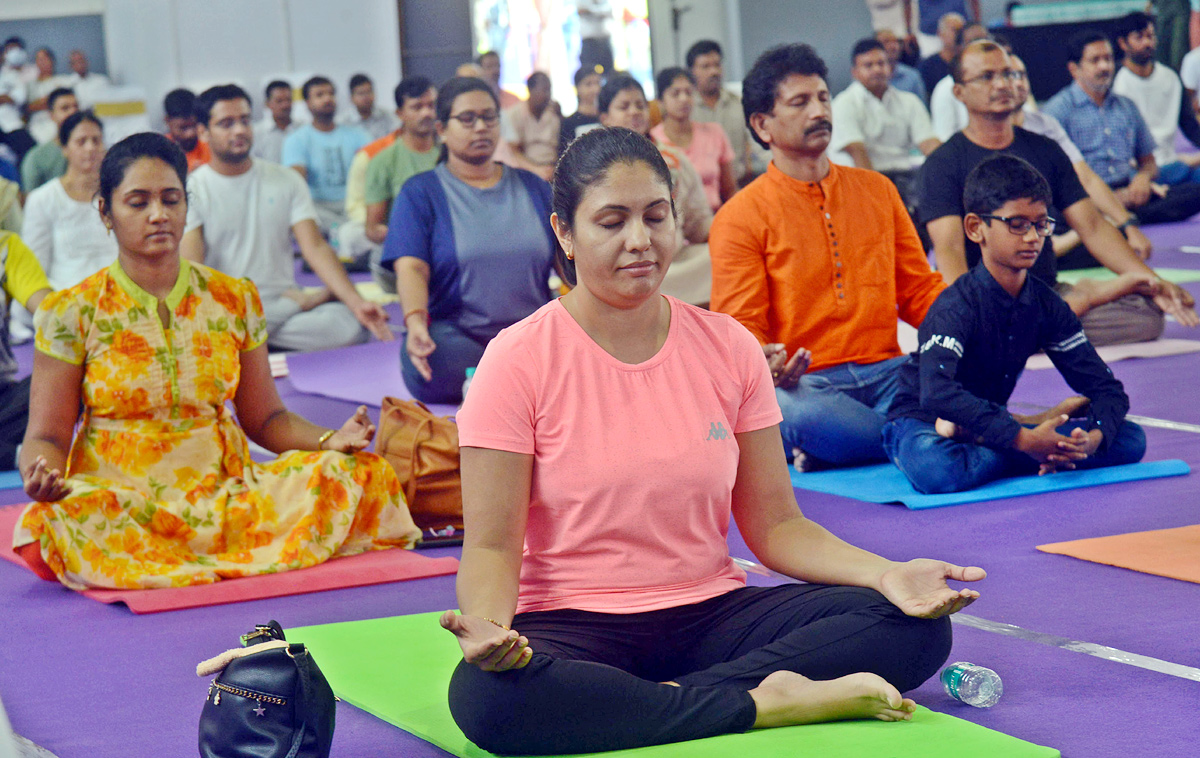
(1127, 309)
(587, 116)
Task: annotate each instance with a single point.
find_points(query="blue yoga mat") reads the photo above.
(883, 483)
(10, 480)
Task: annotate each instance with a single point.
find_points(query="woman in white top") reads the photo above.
(62, 225)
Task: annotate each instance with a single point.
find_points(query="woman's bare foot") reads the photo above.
(310, 298)
(786, 698)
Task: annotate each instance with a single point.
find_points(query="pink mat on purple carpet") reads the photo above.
(359, 373)
(375, 567)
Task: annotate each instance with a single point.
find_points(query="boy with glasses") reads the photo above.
(949, 429)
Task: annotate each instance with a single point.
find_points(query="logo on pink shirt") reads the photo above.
(717, 432)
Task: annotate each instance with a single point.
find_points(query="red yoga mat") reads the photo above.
(1174, 553)
(375, 567)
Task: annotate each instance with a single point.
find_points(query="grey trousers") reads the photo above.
(1133, 318)
(327, 326)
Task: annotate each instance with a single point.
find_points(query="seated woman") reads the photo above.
(607, 439)
(471, 245)
(704, 142)
(62, 226)
(158, 488)
(622, 103)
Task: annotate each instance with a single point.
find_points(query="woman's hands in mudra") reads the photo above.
(490, 647)
(919, 587)
(355, 434)
(44, 484)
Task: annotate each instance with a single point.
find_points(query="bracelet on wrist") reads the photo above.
(505, 627)
(323, 439)
(415, 311)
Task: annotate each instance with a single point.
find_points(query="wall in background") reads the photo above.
(61, 34)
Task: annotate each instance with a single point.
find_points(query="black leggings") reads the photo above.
(594, 681)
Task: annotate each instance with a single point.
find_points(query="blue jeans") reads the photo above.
(456, 352)
(836, 414)
(936, 465)
(1178, 173)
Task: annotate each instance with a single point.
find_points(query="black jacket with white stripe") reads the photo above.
(973, 346)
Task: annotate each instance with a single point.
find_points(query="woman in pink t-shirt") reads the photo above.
(705, 143)
(607, 439)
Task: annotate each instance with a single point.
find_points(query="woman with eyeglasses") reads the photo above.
(471, 245)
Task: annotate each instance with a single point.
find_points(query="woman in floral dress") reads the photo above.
(157, 488)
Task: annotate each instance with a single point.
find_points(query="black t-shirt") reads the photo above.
(945, 174)
(570, 128)
(933, 69)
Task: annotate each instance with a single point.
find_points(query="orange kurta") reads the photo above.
(824, 265)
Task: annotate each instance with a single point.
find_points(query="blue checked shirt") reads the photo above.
(1112, 137)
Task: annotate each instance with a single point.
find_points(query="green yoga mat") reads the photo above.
(1176, 275)
(398, 669)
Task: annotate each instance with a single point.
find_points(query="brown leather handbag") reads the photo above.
(423, 449)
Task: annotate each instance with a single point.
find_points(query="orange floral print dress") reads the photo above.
(163, 490)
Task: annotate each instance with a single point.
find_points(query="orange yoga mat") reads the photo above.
(1174, 553)
(374, 567)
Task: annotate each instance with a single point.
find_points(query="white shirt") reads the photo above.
(13, 85)
(67, 236)
(88, 89)
(593, 18)
(268, 139)
(1048, 126)
(378, 124)
(891, 127)
(1189, 70)
(41, 126)
(1158, 98)
(247, 222)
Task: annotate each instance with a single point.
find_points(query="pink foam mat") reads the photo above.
(375, 567)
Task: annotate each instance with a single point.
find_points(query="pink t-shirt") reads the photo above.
(710, 149)
(634, 465)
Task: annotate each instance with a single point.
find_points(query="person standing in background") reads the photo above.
(595, 43)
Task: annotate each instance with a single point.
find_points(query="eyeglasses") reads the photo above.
(991, 77)
(1020, 225)
(468, 118)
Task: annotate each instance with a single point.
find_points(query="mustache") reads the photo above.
(823, 124)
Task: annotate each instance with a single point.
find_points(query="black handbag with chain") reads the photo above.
(268, 701)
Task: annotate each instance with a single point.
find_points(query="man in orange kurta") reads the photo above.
(817, 258)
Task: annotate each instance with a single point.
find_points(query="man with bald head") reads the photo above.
(934, 68)
(904, 77)
(1127, 309)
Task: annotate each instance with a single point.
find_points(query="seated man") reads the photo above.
(876, 126)
(413, 151)
(934, 68)
(86, 84)
(945, 111)
(241, 215)
(46, 161)
(276, 124)
(322, 152)
(817, 257)
(716, 103)
(904, 76)
(1158, 93)
(1113, 137)
(531, 128)
(1112, 312)
(179, 107)
(22, 280)
(376, 122)
(948, 429)
(587, 116)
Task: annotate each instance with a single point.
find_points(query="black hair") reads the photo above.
(536, 77)
(13, 40)
(277, 84)
(208, 99)
(1133, 22)
(455, 86)
(47, 51)
(1001, 178)
(761, 84)
(979, 45)
(55, 94)
(488, 54)
(703, 47)
(132, 149)
(587, 161)
(75, 119)
(180, 103)
(359, 79)
(864, 46)
(410, 88)
(667, 77)
(315, 81)
(1080, 40)
(614, 86)
(585, 72)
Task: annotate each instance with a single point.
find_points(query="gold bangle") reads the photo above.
(415, 311)
(323, 439)
(497, 623)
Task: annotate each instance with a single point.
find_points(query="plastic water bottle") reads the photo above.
(467, 383)
(973, 685)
